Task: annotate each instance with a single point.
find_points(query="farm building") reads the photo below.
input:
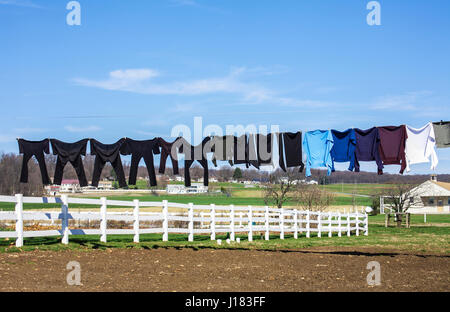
(70, 186)
(195, 188)
(431, 196)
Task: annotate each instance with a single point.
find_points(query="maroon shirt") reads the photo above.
(392, 145)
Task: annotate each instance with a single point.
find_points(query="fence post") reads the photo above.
(19, 220)
(308, 227)
(295, 223)
(340, 224)
(266, 223)
(165, 223)
(191, 222)
(329, 224)
(64, 219)
(212, 224)
(281, 223)
(232, 235)
(136, 221)
(366, 225)
(348, 224)
(250, 223)
(319, 224)
(103, 221)
(357, 223)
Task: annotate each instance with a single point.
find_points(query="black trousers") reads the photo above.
(187, 175)
(36, 149)
(149, 162)
(77, 165)
(99, 164)
(41, 161)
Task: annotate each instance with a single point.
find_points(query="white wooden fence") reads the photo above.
(211, 219)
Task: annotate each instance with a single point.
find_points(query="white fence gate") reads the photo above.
(214, 219)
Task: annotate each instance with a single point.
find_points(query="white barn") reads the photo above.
(430, 197)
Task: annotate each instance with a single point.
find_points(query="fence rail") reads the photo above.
(210, 219)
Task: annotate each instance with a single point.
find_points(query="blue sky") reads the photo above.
(137, 68)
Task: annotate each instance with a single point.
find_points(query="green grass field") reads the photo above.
(418, 239)
(240, 196)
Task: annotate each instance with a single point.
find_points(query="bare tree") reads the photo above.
(398, 197)
(282, 187)
(314, 198)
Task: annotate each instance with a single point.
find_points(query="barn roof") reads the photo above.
(445, 185)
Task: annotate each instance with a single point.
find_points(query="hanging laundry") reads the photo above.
(264, 149)
(442, 133)
(292, 142)
(167, 150)
(367, 145)
(222, 148)
(392, 145)
(138, 150)
(253, 151)
(69, 152)
(344, 147)
(317, 145)
(420, 146)
(275, 146)
(36, 149)
(192, 154)
(241, 151)
(107, 153)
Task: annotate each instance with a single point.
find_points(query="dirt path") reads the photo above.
(223, 270)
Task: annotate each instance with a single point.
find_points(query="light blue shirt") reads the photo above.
(317, 145)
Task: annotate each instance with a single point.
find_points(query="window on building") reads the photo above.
(411, 200)
(431, 201)
(448, 203)
(440, 203)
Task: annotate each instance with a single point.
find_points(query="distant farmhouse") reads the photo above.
(195, 188)
(431, 196)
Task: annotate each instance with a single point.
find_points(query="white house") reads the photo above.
(175, 189)
(195, 188)
(70, 186)
(430, 197)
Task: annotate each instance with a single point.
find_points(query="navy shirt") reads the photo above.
(344, 147)
(367, 145)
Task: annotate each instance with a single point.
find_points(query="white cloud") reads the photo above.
(6, 138)
(29, 130)
(141, 81)
(407, 102)
(22, 3)
(184, 2)
(82, 129)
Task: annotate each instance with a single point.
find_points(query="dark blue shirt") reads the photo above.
(344, 147)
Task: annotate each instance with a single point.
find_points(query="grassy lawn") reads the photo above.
(361, 189)
(243, 198)
(421, 239)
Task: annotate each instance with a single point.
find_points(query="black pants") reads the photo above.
(41, 161)
(36, 149)
(187, 175)
(99, 164)
(149, 162)
(77, 165)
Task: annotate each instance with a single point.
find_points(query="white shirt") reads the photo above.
(420, 146)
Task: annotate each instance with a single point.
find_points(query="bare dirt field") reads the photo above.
(171, 269)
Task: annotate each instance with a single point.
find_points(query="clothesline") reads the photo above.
(388, 145)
